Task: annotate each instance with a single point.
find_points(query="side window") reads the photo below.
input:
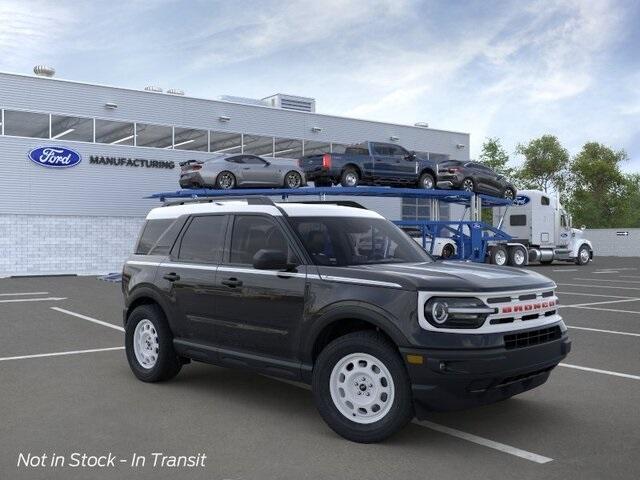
(151, 232)
(203, 241)
(544, 201)
(254, 232)
(238, 159)
(563, 221)
(252, 160)
(167, 239)
(381, 149)
(518, 220)
(398, 151)
(317, 240)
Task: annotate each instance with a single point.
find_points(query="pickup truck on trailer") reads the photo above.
(337, 297)
(371, 163)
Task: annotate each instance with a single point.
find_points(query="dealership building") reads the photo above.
(121, 145)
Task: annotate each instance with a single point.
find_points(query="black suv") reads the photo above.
(340, 298)
(474, 177)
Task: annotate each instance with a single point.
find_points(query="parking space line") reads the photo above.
(597, 370)
(607, 309)
(598, 286)
(46, 299)
(22, 293)
(565, 270)
(577, 305)
(591, 294)
(607, 280)
(533, 457)
(88, 319)
(605, 331)
(485, 442)
(59, 354)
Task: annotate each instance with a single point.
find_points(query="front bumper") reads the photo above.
(455, 379)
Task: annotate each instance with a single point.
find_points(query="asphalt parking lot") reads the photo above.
(66, 387)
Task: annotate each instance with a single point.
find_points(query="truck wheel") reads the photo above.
(499, 255)
(149, 345)
(448, 251)
(225, 180)
(361, 387)
(584, 255)
(349, 178)
(517, 256)
(426, 181)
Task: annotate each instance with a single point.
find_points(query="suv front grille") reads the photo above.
(533, 337)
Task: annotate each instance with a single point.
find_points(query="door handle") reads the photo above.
(172, 277)
(232, 282)
(247, 168)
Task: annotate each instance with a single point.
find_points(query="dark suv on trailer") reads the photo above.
(340, 298)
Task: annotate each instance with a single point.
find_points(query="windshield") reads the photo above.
(345, 241)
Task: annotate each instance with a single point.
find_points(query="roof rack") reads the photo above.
(218, 199)
(341, 203)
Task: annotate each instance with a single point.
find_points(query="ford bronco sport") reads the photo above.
(337, 297)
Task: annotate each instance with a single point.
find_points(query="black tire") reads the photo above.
(426, 182)
(581, 259)
(448, 251)
(468, 185)
(167, 364)
(374, 344)
(499, 255)
(349, 177)
(292, 180)
(516, 260)
(509, 193)
(221, 180)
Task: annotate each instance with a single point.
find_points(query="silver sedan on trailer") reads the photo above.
(241, 170)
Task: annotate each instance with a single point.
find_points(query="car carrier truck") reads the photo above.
(541, 231)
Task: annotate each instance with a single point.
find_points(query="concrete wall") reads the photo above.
(607, 242)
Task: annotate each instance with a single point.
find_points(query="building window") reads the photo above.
(288, 148)
(221, 142)
(114, 133)
(416, 209)
(258, 145)
(338, 148)
(316, 148)
(190, 139)
(72, 128)
(26, 124)
(156, 136)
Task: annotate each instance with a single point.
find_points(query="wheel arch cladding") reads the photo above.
(353, 166)
(144, 297)
(343, 320)
(428, 170)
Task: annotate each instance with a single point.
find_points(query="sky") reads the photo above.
(509, 69)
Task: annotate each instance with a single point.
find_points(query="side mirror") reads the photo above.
(583, 227)
(266, 259)
(410, 156)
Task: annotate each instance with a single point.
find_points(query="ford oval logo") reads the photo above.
(55, 157)
(521, 200)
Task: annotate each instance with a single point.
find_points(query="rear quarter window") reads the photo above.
(151, 232)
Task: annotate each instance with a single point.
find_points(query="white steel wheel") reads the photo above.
(362, 388)
(145, 344)
(518, 257)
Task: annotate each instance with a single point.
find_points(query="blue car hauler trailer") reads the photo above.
(473, 237)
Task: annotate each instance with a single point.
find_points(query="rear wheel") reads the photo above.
(499, 255)
(468, 185)
(517, 256)
(292, 179)
(225, 180)
(426, 181)
(361, 387)
(149, 345)
(350, 177)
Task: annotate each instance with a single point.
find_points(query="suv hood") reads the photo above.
(451, 276)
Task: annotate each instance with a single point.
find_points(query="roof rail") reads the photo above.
(340, 203)
(217, 199)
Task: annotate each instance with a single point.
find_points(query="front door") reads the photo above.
(257, 171)
(564, 230)
(258, 311)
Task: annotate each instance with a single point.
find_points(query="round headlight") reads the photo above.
(439, 311)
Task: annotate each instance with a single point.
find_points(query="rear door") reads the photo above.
(189, 276)
(383, 161)
(258, 311)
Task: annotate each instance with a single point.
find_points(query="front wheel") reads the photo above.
(584, 255)
(149, 345)
(448, 251)
(292, 179)
(426, 181)
(361, 387)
